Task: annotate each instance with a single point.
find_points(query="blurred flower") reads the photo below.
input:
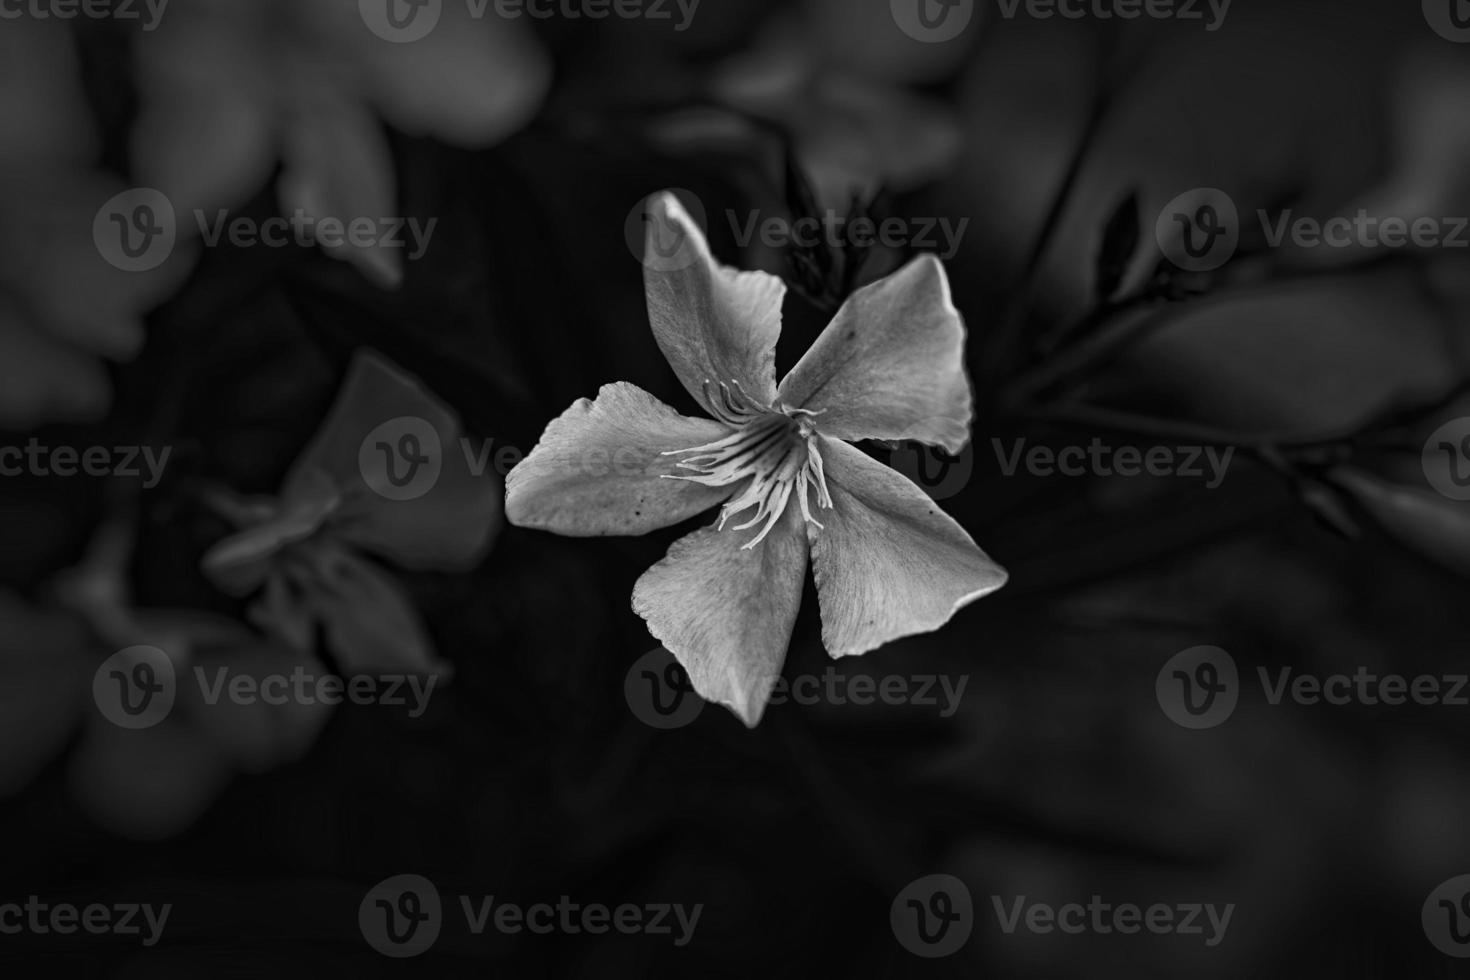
(305, 550)
(856, 133)
(150, 782)
(231, 88)
(1427, 177)
(62, 306)
(888, 562)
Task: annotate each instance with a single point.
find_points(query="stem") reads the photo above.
(1084, 354)
(1013, 317)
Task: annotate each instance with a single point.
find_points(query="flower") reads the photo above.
(888, 562)
(230, 88)
(153, 781)
(63, 308)
(855, 133)
(304, 551)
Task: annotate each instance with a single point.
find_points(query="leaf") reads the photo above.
(1427, 523)
(1295, 358)
(1258, 118)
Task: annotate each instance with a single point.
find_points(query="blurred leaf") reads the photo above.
(1295, 358)
(1420, 519)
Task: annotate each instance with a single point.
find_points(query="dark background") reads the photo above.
(1059, 777)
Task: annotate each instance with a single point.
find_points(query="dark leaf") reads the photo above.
(1119, 243)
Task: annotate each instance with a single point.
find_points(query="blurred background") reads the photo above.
(1058, 164)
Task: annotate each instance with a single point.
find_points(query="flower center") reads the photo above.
(774, 448)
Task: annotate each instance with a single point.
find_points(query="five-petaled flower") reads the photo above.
(888, 562)
(306, 550)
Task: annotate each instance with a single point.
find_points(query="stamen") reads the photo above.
(731, 407)
(772, 449)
